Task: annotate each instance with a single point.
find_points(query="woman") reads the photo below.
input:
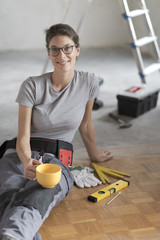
(51, 106)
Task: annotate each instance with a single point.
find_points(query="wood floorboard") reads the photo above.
(133, 215)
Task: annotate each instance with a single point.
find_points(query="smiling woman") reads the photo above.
(63, 47)
(63, 53)
(52, 107)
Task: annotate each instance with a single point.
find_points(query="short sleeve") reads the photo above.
(26, 94)
(93, 86)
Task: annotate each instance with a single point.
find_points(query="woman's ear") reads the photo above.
(49, 56)
(78, 50)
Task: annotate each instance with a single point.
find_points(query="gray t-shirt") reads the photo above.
(57, 115)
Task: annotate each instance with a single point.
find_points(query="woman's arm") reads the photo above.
(23, 142)
(86, 130)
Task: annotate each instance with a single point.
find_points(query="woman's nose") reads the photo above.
(61, 53)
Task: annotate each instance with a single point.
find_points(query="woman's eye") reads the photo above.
(66, 49)
(54, 50)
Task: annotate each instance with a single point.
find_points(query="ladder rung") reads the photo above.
(143, 41)
(150, 69)
(135, 13)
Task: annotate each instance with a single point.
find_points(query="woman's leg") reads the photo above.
(11, 173)
(24, 217)
(11, 179)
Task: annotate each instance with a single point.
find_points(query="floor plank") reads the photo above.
(134, 214)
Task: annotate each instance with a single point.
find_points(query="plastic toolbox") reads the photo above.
(137, 100)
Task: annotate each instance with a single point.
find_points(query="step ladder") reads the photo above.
(138, 43)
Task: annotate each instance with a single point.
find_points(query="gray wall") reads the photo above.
(23, 22)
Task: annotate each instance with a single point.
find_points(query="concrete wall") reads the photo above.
(23, 22)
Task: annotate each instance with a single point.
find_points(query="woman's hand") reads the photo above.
(30, 168)
(103, 156)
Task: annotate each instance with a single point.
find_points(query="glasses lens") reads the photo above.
(54, 51)
(67, 50)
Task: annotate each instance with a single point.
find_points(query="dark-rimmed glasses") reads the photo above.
(54, 51)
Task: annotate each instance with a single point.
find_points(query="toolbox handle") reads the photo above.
(134, 89)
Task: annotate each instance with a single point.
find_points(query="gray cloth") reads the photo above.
(57, 115)
(24, 221)
(6, 236)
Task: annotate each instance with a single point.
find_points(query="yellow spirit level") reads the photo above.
(107, 191)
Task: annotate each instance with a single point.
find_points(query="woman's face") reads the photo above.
(63, 62)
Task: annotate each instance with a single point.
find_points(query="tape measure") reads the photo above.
(107, 191)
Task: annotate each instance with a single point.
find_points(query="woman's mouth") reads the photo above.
(62, 63)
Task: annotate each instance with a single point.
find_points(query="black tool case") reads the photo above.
(137, 100)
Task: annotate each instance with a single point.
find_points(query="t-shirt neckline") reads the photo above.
(50, 83)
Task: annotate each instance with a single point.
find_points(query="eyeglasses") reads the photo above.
(54, 51)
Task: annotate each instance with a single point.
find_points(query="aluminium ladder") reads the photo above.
(138, 43)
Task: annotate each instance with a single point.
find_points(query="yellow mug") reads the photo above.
(48, 175)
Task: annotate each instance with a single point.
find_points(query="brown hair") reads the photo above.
(61, 29)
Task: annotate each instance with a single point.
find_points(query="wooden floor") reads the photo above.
(134, 214)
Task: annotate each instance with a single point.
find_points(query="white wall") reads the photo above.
(23, 22)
